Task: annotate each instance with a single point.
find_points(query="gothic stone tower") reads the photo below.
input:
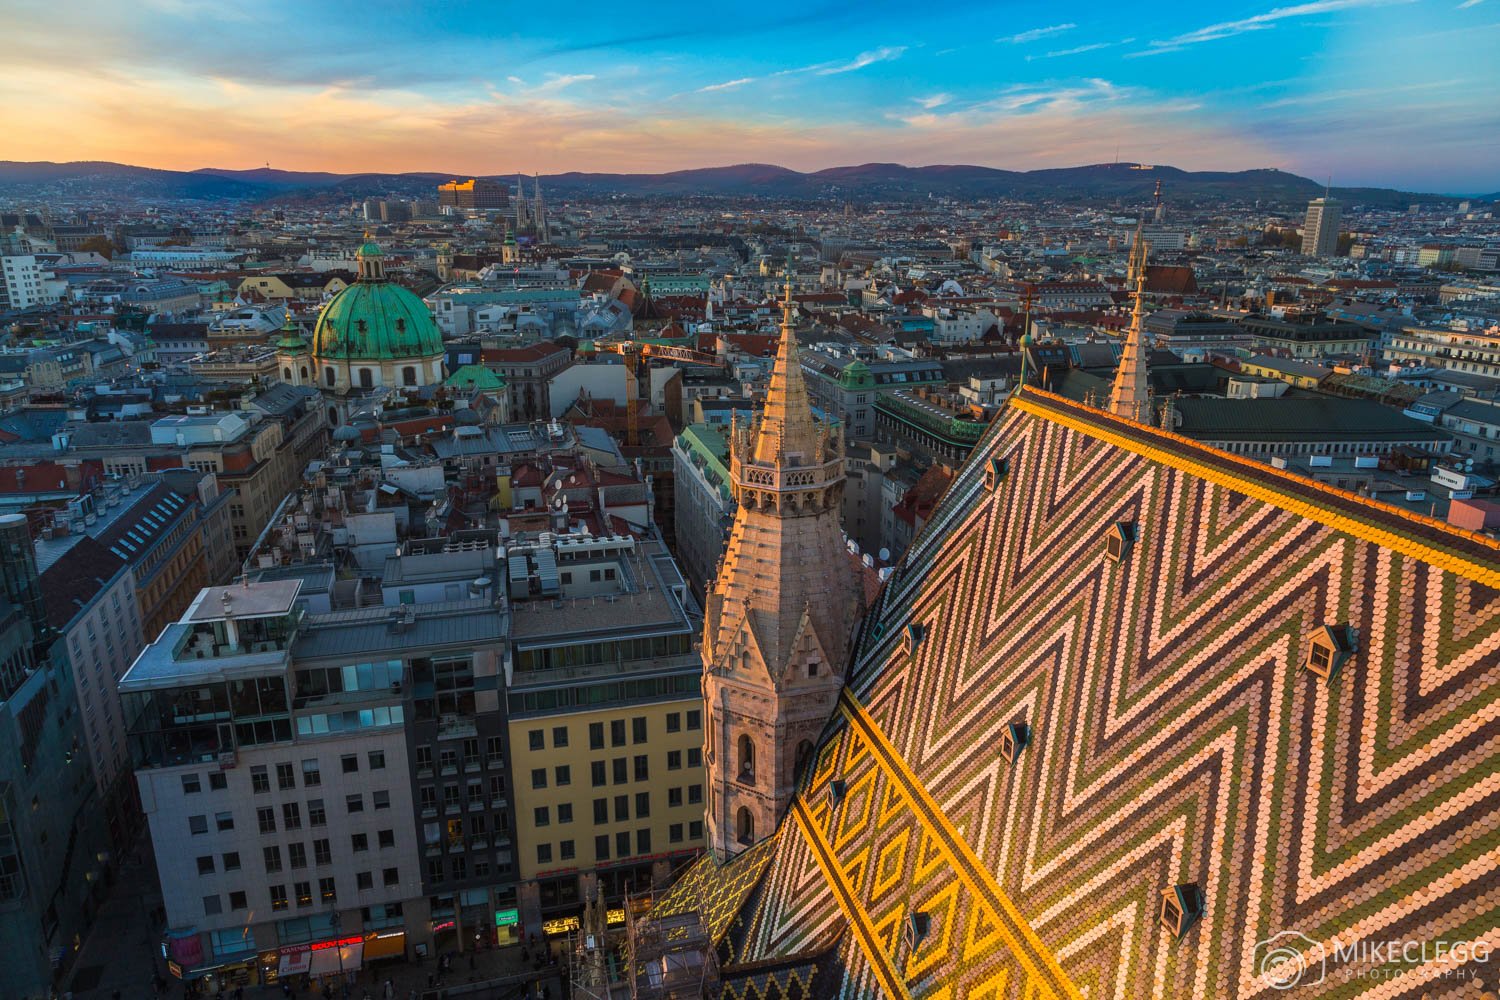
(780, 615)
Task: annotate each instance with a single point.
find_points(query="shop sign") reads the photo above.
(507, 918)
(446, 925)
(292, 949)
(560, 925)
(175, 970)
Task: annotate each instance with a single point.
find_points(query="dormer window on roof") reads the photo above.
(1327, 648)
(915, 633)
(1181, 905)
(1014, 738)
(1119, 540)
(996, 472)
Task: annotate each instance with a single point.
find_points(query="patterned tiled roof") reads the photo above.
(1170, 736)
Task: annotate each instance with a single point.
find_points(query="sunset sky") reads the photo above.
(1385, 93)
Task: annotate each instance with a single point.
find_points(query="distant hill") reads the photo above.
(1128, 183)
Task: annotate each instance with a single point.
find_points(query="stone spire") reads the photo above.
(780, 616)
(787, 428)
(1128, 396)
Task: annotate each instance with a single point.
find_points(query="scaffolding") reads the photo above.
(670, 956)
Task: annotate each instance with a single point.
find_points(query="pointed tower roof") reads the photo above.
(786, 425)
(1127, 397)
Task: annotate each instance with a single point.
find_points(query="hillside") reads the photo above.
(1122, 182)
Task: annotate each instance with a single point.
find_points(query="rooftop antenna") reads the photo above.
(1327, 187)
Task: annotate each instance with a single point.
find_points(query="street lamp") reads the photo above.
(337, 922)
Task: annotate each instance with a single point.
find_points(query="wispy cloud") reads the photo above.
(1256, 22)
(1079, 50)
(1036, 33)
(1469, 3)
(885, 53)
(560, 81)
(934, 101)
(727, 84)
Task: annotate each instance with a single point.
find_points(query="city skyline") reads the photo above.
(1250, 85)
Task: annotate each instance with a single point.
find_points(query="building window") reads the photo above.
(674, 760)
(297, 855)
(638, 729)
(217, 781)
(695, 718)
(620, 769)
(232, 861)
(559, 736)
(354, 803)
(364, 881)
(622, 808)
(190, 784)
(674, 797)
(695, 794)
(206, 865)
(408, 374)
(278, 898)
(377, 760)
(326, 890)
(744, 827)
(543, 854)
(272, 858)
(674, 722)
(266, 818)
(224, 821)
(1327, 649)
(674, 833)
(322, 852)
(565, 812)
(291, 816)
(366, 380)
(601, 811)
(391, 876)
(643, 841)
(350, 763)
(617, 732)
(197, 824)
(285, 778)
(539, 777)
(542, 816)
(304, 893)
(536, 739)
(597, 773)
(563, 775)
(386, 838)
(237, 900)
(316, 816)
(565, 850)
(596, 736)
(695, 757)
(622, 844)
(642, 805)
(601, 847)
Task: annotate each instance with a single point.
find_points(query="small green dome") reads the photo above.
(856, 375)
(375, 321)
(371, 249)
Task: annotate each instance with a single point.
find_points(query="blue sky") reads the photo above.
(1384, 92)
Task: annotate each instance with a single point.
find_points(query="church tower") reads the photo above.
(780, 616)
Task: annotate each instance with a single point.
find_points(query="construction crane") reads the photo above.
(632, 351)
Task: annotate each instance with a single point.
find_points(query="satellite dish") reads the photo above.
(885, 555)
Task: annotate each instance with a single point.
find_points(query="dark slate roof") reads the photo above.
(150, 517)
(1294, 418)
(73, 580)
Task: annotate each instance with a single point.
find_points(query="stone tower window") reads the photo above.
(744, 827)
(408, 374)
(747, 759)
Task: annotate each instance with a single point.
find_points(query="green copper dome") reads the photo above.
(856, 375)
(375, 319)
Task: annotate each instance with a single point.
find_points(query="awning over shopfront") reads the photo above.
(385, 945)
(328, 961)
(294, 964)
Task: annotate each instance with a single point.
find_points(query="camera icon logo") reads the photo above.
(1290, 959)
